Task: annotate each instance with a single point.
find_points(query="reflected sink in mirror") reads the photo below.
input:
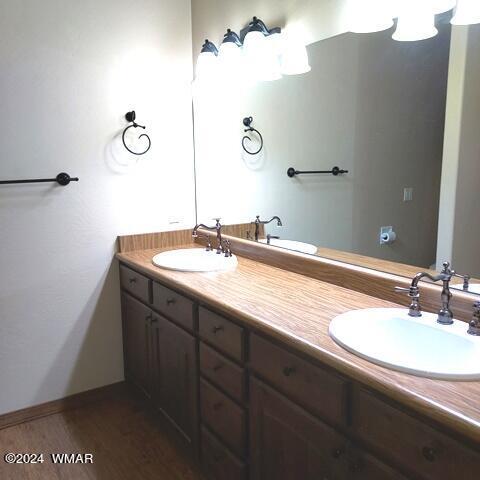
(420, 346)
(194, 260)
(291, 245)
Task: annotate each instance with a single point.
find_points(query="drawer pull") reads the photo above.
(218, 367)
(217, 329)
(429, 454)
(170, 301)
(132, 280)
(217, 406)
(337, 453)
(287, 371)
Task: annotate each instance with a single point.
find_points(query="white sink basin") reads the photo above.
(474, 288)
(194, 260)
(420, 346)
(292, 245)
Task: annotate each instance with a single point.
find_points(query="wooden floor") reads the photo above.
(126, 440)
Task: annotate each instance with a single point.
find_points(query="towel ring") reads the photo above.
(130, 117)
(247, 121)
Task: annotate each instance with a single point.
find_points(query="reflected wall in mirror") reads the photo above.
(401, 117)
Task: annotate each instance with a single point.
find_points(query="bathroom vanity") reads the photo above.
(241, 363)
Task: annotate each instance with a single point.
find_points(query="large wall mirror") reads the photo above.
(390, 114)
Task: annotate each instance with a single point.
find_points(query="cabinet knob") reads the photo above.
(337, 453)
(287, 371)
(170, 301)
(217, 406)
(429, 454)
(217, 329)
(218, 367)
(154, 320)
(148, 318)
(132, 280)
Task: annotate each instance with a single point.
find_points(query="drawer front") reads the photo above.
(218, 463)
(222, 333)
(135, 283)
(223, 417)
(361, 466)
(319, 391)
(174, 306)
(222, 372)
(410, 442)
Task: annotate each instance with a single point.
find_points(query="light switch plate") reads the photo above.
(407, 194)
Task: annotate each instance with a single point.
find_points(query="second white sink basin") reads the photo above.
(292, 245)
(194, 260)
(420, 346)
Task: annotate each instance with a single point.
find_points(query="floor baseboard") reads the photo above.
(56, 406)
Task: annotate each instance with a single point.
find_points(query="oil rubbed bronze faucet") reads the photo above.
(217, 228)
(259, 222)
(445, 315)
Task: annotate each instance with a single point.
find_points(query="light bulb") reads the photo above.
(370, 16)
(467, 12)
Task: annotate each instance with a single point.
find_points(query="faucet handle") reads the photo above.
(227, 249)
(474, 325)
(414, 310)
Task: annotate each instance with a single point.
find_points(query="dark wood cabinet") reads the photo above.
(175, 375)
(137, 345)
(264, 412)
(287, 443)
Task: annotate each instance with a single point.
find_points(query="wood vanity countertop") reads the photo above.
(297, 310)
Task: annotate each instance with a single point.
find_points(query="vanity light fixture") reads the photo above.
(207, 62)
(467, 12)
(230, 56)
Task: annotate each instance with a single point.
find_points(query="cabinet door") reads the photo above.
(136, 342)
(289, 444)
(175, 375)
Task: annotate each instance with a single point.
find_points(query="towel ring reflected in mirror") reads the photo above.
(247, 121)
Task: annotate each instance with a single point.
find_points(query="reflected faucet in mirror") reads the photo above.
(259, 222)
(217, 228)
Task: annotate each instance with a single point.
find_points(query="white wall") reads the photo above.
(370, 105)
(459, 230)
(69, 72)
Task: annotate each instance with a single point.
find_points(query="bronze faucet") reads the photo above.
(445, 315)
(259, 222)
(217, 228)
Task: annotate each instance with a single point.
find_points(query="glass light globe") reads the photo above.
(294, 58)
(370, 16)
(261, 61)
(467, 12)
(415, 26)
(442, 6)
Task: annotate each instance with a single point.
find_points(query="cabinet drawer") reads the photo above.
(135, 283)
(410, 442)
(218, 462)
(174, 306)
(222, 372)
(319, 391)
(223, 417)
(222, 333)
